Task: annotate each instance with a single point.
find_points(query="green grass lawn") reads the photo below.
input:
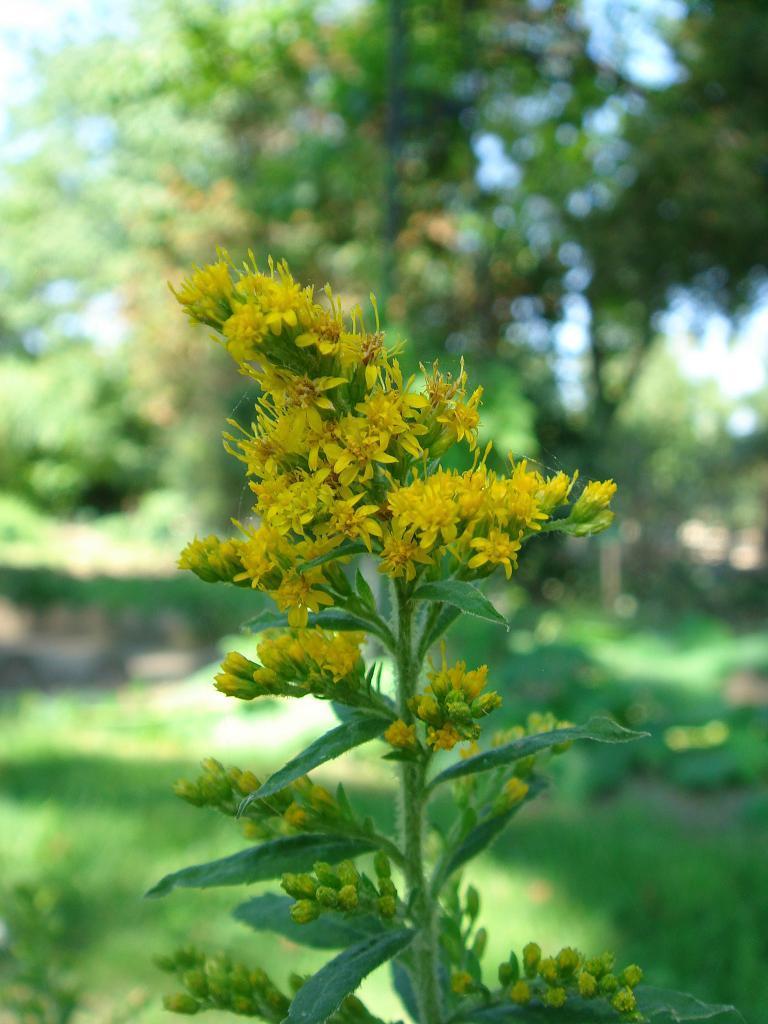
(673, 880)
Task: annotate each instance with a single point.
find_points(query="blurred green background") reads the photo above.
(573, 197)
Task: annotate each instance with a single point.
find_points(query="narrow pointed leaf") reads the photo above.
(259, 863)
(322, 995)
(461, 595)
(658, 1006)
(272, 913)
(363, 588)
(602, 730)
(356, 730)
(349, 547)
(403, 985)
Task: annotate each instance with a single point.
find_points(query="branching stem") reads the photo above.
(424, 950)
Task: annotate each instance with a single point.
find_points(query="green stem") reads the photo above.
(424, 950)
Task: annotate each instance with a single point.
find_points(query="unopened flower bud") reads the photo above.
(631, 976)
(520, 992)
(196, 982)
(387, 906)
(304, 911)
(299, 886)
(326, 896)
(348, 873)
(181, 1003)
(531, 958)
(554, 997)
(326, 875)
(587, 985)
(472, 904)
(624, 1001)
(348, 898)
(481, 941)
(381, 864)
(609, 983)
(387, 887)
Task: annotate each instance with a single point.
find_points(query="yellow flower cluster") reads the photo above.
(294, 663)
(342, 449)
(451, 703)
(298, 807)
(341, 889)
(551, 980)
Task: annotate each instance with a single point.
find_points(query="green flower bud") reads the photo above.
(554, 997)
(244, 1005)
(304, 911)
(481, 941)
(568, 960)
(387, 887)
(299, 886)
(348, 898)
(196, 982)
(387, 906)
(181, 1003)
(165, 963)
(548, 970)
(259, 979)
(485, 704)
(631, 976)
(381, 865)
(624, 1001)
(587, 985)
(348, 873)
(296, 981)
(240, 980)
(531, 958)
(506, 974)
(608, 983)
(520, 993)
(473, 902)
(326, 896)
(326, 875)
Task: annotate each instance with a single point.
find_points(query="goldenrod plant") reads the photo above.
(343, 459)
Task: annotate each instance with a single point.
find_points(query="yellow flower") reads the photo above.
(515, 791)
(595, 498)
(213, 560)
(400, 555)
(206, 293)
(520, 992)
(244, 330)
(400, 735)
(444, 738)
(296, 596)
(497, 549)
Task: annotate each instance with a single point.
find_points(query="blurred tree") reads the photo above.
(481, 160)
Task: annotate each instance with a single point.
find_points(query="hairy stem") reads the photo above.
(424, 951)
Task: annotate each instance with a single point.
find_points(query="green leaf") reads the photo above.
(364, 591)
(401, 981)
(272, 913)
(259, 863)
(461, 595)
(356, 730)
(659, 1006)
(349, 547)
(480, 837)
(323, 993)
(602, 730)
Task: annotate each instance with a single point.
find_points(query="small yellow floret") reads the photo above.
(400, 735)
